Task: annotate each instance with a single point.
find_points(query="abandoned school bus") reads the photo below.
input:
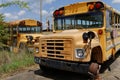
(22, 33)
(86, 34)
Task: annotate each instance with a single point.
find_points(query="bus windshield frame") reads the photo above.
(29, 29)
(80, 21)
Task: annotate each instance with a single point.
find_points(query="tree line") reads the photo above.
(4, 36)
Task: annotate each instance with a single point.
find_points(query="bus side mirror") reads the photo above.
(29, 38)
(85, 37)
(91, 35)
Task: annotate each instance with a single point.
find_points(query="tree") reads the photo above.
(3, 32)
(21, 4)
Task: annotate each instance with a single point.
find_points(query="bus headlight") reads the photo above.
(37, 50)
(79, 53)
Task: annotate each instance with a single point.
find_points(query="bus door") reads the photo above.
(116, 32)
(110, 35)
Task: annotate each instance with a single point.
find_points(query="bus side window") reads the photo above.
(59, 24)
(14, 30)
(119, 22)
(110, 17)
(115, 21)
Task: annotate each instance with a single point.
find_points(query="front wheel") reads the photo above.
(46, 69)
(94, 70)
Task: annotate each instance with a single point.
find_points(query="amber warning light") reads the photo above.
(95, 6)
(91, 7)
(100, 32)
(59, 12)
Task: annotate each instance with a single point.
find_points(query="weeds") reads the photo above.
(10, 61)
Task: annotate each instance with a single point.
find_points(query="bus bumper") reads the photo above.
(82, 68)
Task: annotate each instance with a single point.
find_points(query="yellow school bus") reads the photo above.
(86, 34)
(22, 33)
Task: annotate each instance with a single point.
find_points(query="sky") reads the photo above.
(48, 6)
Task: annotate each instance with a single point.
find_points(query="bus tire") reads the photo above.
(43, 68)
(46, 69)
(94, 68)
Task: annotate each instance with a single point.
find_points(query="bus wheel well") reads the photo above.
(96, 54)
(22, 46)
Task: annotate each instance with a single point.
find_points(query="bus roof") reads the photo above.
(81, 7)
(25, 22)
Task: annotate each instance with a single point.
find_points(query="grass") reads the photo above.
(10, 62)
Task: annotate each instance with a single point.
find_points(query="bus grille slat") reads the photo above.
(56, 48)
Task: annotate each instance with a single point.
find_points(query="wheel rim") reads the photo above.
(94, 68)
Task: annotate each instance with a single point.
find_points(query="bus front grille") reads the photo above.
(57, 48)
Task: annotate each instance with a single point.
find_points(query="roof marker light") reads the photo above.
(100, 32)
(98, 5)
(91, 7)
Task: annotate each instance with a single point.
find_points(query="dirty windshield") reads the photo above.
(29, 29)
(80, 21)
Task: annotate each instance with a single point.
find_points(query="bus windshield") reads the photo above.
(22, 29)
(79, 21)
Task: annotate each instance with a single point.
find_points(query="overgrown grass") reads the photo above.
(10, 62)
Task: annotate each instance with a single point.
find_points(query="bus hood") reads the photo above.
(23, 37)
(75, 35)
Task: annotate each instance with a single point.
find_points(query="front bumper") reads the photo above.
(82, 68)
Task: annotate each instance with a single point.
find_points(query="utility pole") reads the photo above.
(40, 10)
(47, 23)
(41, 13)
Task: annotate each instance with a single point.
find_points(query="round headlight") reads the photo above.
(36, 50)
(80, 53)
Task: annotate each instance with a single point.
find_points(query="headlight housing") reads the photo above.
(79, 53)
(37, 50)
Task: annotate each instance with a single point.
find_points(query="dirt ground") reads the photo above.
(111, 72)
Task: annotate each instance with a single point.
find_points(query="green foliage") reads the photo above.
(3, 33)
(10, 62)
(21, 4)
(1, 18)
